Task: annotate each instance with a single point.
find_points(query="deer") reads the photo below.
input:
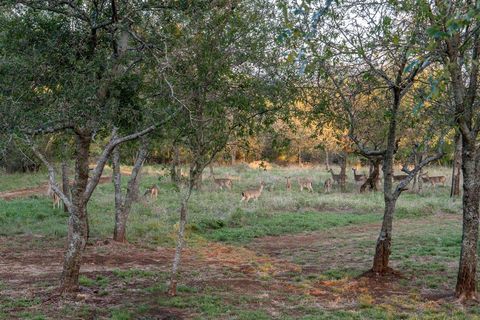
(305, 183)
(336, 177)
(328, 185)
(358, 177)
(223, 182)
(54, 196)
(288, 185)
(152, 191)
(252, 193)
(433, 180)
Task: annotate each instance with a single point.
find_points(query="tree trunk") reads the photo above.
(327, 160)
(466, 287)
(299, 157)
(343, 172)
(119, 229)
(77, 223)
(65, 183)
(123, 205)
(457, 167)
(180, 237)
(384, 241)
(174, 171)
(233, 154)
(374, 176)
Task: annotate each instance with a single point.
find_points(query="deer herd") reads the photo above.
(254, 193)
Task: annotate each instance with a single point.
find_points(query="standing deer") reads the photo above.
(328, 185)
(433, 180)
(305, 183)
(358, 177)
(152, 191)
(289, 185)
(252, 193)
(54, 196)
(336, 177)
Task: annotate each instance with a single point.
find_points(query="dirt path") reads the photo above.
(40, 190)
(270, 269)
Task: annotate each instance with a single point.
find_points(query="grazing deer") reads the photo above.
(54, 196)
(433, 180)
(152, 191)
(289, 185)
(399, 177)
(252, 193)
(328, 185)
(336, 177)
(223, 182)
(358, 177)
(305, 183)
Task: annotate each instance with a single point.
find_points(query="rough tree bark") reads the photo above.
(457, 167)
(464, 84)
(77, 223)
(123, 204)
(384, 241)
(466, 287)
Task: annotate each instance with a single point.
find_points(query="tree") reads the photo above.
(375, 51)
(455, 38)
(89, 84)
(227, 79)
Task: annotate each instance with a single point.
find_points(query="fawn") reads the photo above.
(152, 191)
(54, 196)
(288, 185)
(328, 185)
(252, 193)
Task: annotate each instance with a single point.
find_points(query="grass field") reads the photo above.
(290, 255)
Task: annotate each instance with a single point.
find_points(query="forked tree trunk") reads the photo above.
(466, 287)
(77, 223)
(123, 205)
(457, 167)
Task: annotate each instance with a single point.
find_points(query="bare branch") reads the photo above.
(51, 173)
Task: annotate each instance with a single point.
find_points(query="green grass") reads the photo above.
(219, 215)
(14, 181)
(243, 227)
(425, 248)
